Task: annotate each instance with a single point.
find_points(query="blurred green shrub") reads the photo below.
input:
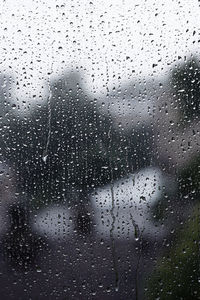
(177, 274)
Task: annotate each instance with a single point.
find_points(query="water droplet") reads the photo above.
(44, 158)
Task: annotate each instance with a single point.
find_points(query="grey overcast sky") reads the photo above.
(109, 41)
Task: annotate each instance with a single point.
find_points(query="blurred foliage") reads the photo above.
(177, 275)
(159, 210)
(186, 84)
(189, 180)
(85, 150)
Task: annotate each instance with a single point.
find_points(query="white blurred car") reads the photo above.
(120, 210)
(123, 210)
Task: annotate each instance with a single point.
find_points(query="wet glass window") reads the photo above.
(99, 149)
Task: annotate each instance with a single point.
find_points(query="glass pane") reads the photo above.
(99, 149)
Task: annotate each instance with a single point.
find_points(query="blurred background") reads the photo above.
(99, 150)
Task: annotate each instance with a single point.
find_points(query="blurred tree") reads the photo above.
(176, 275)
(21, 247)
(186, 83)
(68, 144)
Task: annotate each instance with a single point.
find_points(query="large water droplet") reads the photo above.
(44, 158)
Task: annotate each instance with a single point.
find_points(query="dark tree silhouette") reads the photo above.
(186, 83)
(21, 246)
(68, 144)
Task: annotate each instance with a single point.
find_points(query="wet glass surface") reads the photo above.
(99, 150)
